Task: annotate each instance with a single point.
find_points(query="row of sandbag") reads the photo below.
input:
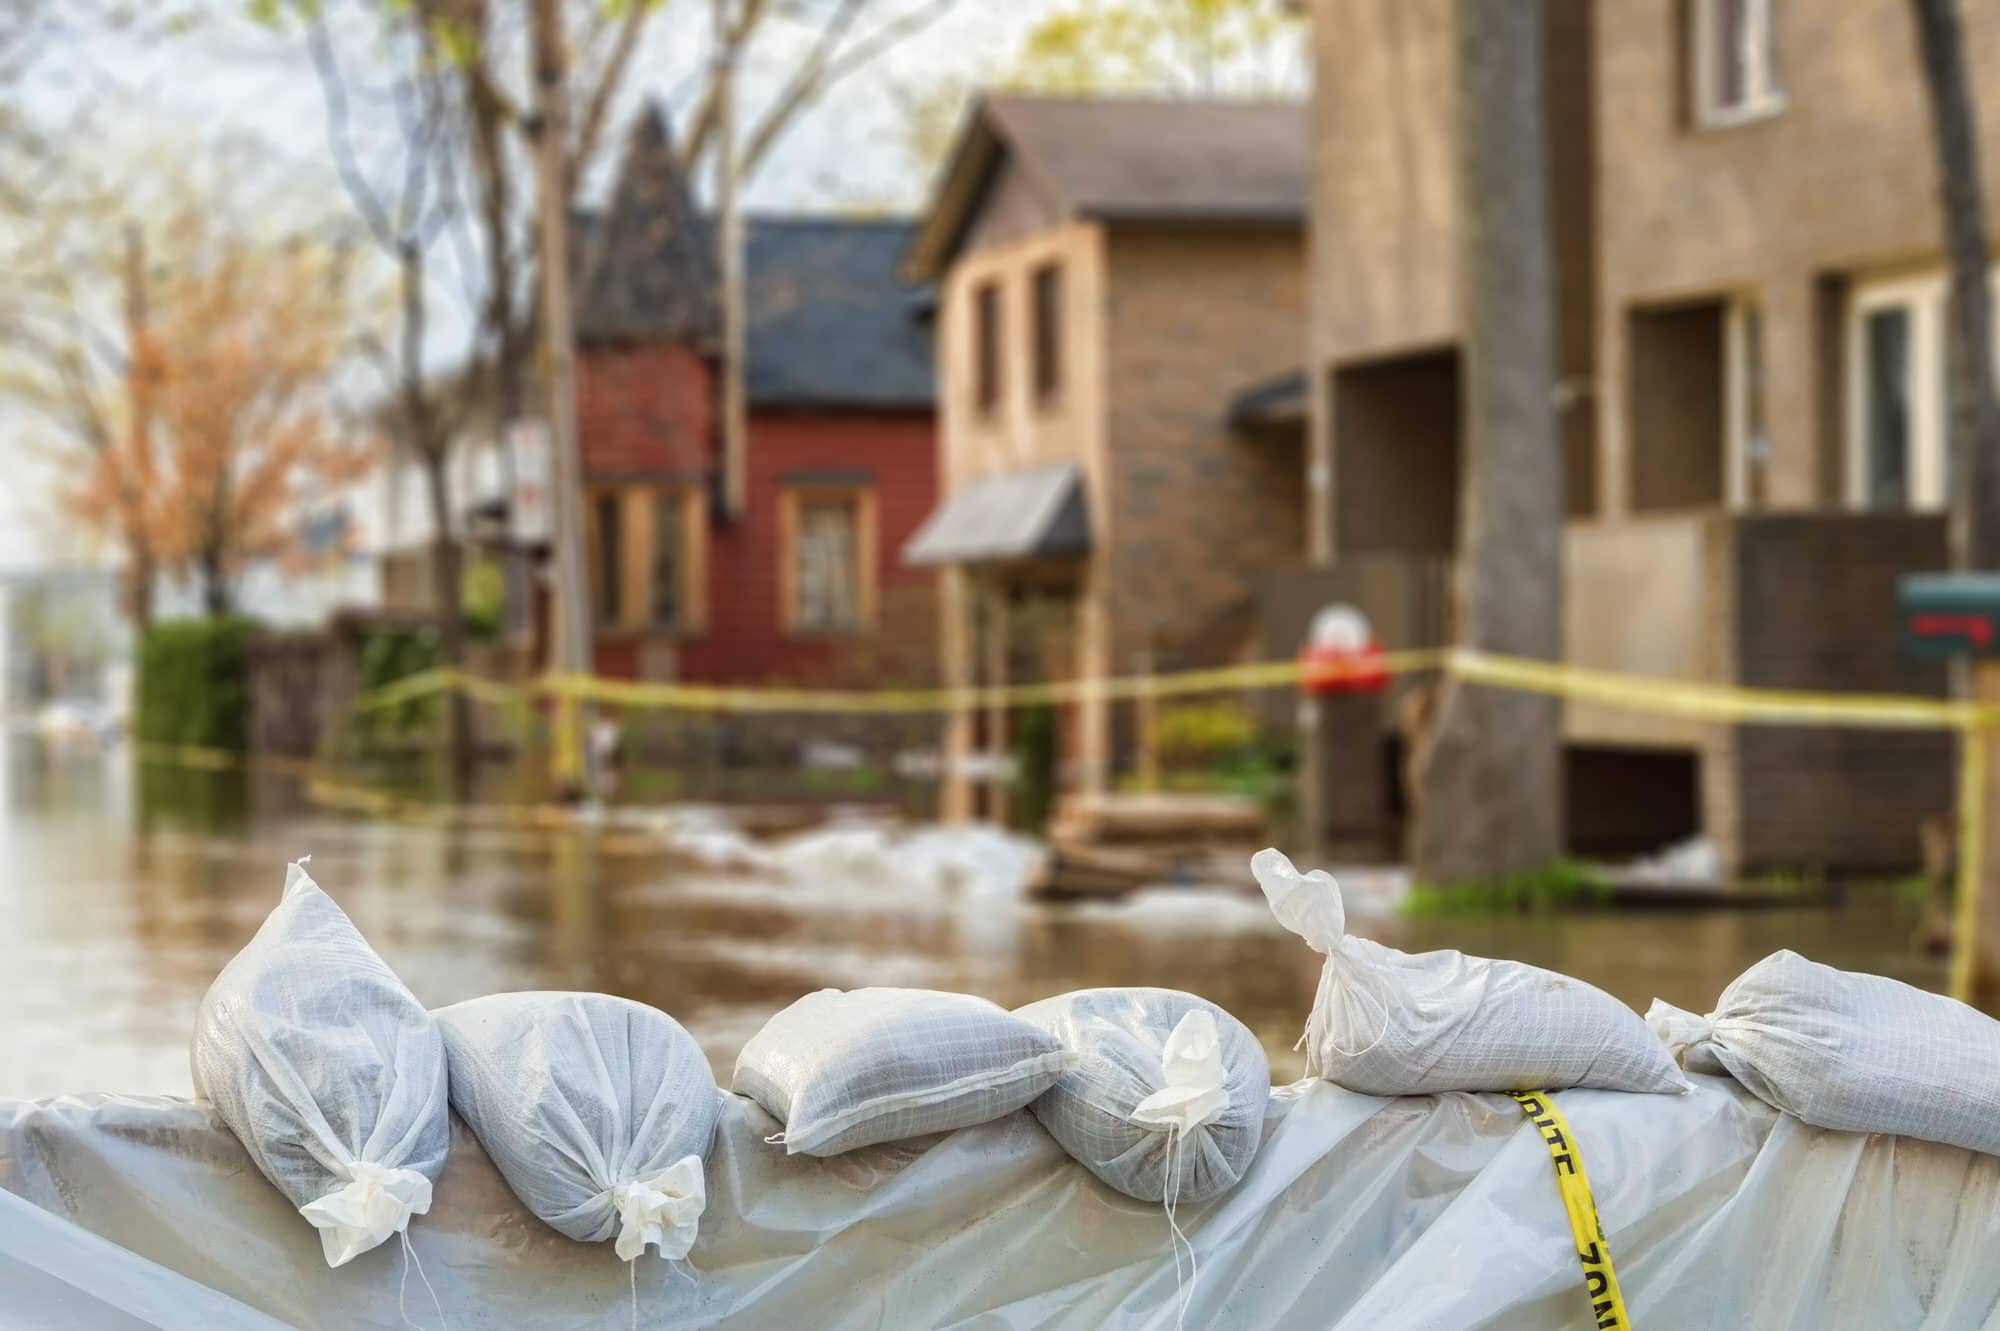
(1837, 1049)
(599, 1111)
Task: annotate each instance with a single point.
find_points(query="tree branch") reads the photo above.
(822, 70)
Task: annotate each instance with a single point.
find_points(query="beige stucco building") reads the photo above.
(1113, 276)
(1751, 301)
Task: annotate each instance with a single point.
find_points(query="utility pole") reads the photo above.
(571, 640)
(729, 235)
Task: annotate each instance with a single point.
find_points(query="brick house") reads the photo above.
(1113, 274)
(1750, 291)
(840, 451)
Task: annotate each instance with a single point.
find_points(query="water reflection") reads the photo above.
(125, 894)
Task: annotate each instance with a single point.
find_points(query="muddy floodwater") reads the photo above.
(121, 897)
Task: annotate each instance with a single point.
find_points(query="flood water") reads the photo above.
(122, 897)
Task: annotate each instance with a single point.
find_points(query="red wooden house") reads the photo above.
(805, 585)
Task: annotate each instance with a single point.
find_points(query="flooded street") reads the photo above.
(116, 911)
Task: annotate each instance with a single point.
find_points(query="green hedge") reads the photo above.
(193, 685)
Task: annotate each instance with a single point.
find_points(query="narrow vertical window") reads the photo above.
(610, 559)
(986, 337)
(669, 610)
(1048, 333)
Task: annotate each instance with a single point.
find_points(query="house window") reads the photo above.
(1748, 443)
(1897, 412)
(647, 558)
(1048, 333)
(1734, 62)
(610, 558)
(676, 572)
(828, 568)
(986, 335)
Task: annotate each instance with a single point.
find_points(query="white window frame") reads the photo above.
(1744, 445)
(1763, 94)
(1924, 297)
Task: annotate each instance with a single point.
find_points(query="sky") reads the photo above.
(230, 79)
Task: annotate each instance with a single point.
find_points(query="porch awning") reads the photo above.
(1031, 513)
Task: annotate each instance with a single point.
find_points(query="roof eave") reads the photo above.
(960, 183)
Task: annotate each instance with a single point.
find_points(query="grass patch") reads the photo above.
(1558, 886)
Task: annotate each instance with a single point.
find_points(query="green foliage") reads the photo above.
(1557, 886)
(388, 655)
(1204, 734)
(193, 686)
(482, 598)
(1033, 739)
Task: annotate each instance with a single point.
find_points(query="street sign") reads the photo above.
(1950, 614)
(529, 508)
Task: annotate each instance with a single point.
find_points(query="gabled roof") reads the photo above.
(1123, 159)
(832, 321)
(655, 271)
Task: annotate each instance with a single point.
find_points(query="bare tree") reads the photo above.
(1490, 773)
(410, 205)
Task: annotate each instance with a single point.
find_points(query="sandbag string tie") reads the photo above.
(402, 1289)
(1316, 1022)
(1176, 1170)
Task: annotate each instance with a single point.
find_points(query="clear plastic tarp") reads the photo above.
(1358, 1214)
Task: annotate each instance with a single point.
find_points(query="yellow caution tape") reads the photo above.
(1726, 703)
(641, 694)
(1600, 1279)
(1715, 702)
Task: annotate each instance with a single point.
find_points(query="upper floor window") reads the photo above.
(986, 348)
(1048, 333)
(1733, 61)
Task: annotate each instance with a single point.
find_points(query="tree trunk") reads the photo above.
(214, 583)
(1975, 410)
(1490, 773)
(1974, 430)
(447, 581)
(139, 570)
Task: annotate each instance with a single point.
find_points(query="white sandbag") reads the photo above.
(1852, 1052)
(1166, 1099)
(1390, 1023)
(847, 1069)
(328, 1070)
(597, 1111)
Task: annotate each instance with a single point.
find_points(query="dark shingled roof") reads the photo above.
(1125, 159)
(832, 321)
(655, 274)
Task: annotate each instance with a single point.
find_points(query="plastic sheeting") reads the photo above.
(1358, 1214)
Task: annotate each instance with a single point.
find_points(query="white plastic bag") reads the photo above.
(328, 1070)
(1852, 1052)
(597, 1111)
(1389, 1023)
(1166, 1097)
(847, 1069)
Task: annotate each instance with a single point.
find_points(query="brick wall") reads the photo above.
(1815, 608)
(644, 409)
(1200, 512)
